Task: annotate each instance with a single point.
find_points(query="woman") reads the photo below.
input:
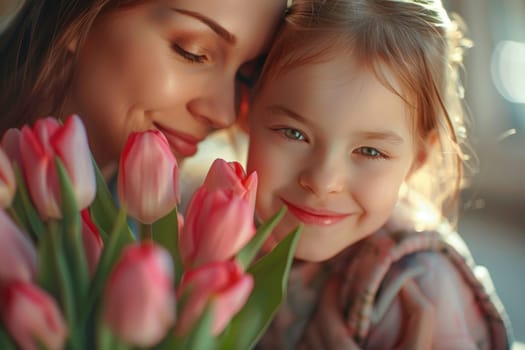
(124, 65)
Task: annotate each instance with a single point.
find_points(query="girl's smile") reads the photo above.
(315, 216)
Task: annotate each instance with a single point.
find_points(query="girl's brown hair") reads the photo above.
(418, 44)
(36, 65)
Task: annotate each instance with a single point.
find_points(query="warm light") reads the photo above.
(508, 70)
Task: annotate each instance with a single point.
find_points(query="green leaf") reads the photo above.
(103, 210)
(72, 236)
(271, 278)
(166, 233)
(120, 237)
(200, 336)
(31, 218)
(250, 251)
(106, 340)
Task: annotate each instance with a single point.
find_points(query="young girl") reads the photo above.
(356, 127)
(130, 65)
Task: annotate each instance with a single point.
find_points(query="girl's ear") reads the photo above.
(423, 152)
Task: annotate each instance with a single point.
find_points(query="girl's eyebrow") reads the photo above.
(216, 27)
(388, 136)
(283, 110)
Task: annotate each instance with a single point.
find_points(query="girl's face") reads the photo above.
(334, 145)
(169, 65)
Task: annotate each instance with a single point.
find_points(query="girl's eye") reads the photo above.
(292, 134)
(189, 56)
(370, 152)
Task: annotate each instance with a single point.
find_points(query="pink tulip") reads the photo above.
(180, 221)
(148, 177)
(217, 225)
(11, 145)
(7, 181)
(231, 175)
(18, 258)
(223, 284)
(32, 317)
(39, 146)
(139, 299)
(92, 241)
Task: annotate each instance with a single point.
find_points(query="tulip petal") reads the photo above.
(223, 284)
(141, 315)
(40, 175)
(148, 177)
(18, 257)
(224, 175)
(7, 181)
(92, 241)
(217, 225)
(250, 183)
(230, 301)
(70, 143)
(231, 175)
(32, 317)
(11, 145)
(44, 129)
(229, 227)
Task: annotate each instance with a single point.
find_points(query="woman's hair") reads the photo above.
(36, 65)
(413, 41)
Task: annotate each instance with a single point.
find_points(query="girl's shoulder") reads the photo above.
(374, 271)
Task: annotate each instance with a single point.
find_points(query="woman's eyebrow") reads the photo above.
(216, 27)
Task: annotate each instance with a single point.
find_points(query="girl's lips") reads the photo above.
(184, 144)
(318, 217)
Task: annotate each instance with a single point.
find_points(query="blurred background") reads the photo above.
(493, 217)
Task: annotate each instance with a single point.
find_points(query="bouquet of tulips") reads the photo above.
(82, 268)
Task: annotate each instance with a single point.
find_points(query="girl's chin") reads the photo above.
(306, 251)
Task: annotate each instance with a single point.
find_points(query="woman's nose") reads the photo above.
(324, 177)
(216, 106)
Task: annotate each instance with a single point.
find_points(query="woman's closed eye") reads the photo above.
(370, 152)
(291, 134)
(189, 56)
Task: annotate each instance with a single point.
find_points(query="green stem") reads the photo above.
(146, 232)
(65, 283)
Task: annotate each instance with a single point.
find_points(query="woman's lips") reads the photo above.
(318, 217)
(183, 144)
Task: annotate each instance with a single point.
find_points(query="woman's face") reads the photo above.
(169, 65)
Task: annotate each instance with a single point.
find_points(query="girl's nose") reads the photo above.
(216, 106)
(324, 178)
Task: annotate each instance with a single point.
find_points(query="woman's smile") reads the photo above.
(182, 143)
